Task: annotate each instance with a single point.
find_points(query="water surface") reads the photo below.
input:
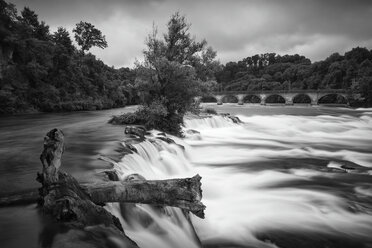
(286, 177)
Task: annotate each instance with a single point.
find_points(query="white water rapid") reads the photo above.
(287, 173)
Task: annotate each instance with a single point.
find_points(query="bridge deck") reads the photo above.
(334, 91)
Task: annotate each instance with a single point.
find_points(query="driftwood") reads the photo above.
(182, 193)
(79, 206)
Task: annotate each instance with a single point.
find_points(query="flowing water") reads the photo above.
(285, 177)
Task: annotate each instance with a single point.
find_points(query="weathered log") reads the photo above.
(62, 198)
(51, 155)
(182, 193)
(79, 206)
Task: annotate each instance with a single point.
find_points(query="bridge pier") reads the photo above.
(288, 98)
(263, 99)
(240, 99)
(289, 102)
(197, 99)
(219, 100)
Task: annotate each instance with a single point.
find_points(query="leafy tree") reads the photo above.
(8, 17)
(42, 32)
(173, 71)
(87, 36)
(29, 18)
(62, 37)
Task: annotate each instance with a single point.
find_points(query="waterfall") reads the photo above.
(277, 173)
(151, 226)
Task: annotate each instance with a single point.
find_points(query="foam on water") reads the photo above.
(242, 202)
(168, 227)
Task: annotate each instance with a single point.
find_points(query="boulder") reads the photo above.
(166, 139)
(235, 119)
(135, 130)
(192, 132)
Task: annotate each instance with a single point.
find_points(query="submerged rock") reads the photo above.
(191, 131)
(235, 119)
(166, 139)
(135, 130)
(131, 147)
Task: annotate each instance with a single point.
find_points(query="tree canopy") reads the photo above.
(87, 36)
(40, 71)
(271, 71)
(174, 69)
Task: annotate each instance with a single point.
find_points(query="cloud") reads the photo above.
(236, 28)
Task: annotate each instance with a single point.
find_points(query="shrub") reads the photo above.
(153, 116)
(126, 119)
(211, 111)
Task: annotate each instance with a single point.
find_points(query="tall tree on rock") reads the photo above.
(174, 68)
(87, 36)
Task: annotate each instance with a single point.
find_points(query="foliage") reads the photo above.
(270, 71)
(173, 72)
(210, 111)
(40, 71)
(153, 116)
(87, 36)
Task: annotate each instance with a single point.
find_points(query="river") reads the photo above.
(286, 177)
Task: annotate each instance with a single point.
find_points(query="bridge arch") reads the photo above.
(209, 98)
(302, 98)
(230, 99)
(274, 99)
(333, 98)
(251, 99)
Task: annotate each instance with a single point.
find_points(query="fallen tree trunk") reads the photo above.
(181, 193)
(79, 208)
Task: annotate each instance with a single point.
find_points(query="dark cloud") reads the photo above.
(235, 28)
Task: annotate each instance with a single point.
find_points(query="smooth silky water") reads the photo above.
(285, 177)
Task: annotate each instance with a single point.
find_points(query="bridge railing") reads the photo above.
(330, 91)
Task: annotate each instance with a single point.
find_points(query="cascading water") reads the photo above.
(267, 182)
(154, 226)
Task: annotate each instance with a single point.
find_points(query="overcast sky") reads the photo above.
(235, 28)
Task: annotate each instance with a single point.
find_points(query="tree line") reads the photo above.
(351, 71)
(44, 71)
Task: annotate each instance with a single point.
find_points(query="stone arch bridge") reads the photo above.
(288, 96)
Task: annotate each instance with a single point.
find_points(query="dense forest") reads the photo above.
(43, 71)
(270, 71)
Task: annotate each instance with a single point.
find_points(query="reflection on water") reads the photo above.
(287, 177)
